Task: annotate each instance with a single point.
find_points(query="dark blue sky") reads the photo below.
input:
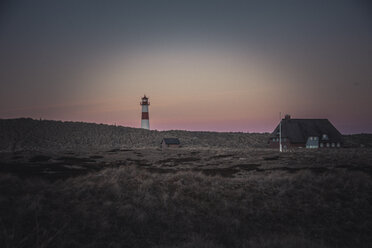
(61, 59)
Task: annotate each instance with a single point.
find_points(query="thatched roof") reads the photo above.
(298, 130)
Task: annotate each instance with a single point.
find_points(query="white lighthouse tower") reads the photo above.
(145, 113)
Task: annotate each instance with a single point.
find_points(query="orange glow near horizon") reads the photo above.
(211, 90)
(206, 65)
(190, 87)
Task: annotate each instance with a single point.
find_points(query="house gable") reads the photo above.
(308, 132)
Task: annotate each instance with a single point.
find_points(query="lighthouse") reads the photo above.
(145, 112)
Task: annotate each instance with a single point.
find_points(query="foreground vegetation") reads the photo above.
(68, 184)
(133, 205)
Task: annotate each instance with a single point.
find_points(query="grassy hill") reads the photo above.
(64, 184)
(358, 140)
(46, 135)
(29, 134)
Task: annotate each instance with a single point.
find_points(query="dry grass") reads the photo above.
(28, 134)
(89, 185)
(131, 207)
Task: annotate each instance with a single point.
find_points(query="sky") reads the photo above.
(219, 65)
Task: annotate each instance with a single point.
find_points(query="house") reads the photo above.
(170, 143)
(309, 133)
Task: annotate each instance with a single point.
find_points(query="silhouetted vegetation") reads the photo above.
(96, 157)
(29, 134)
(128, 207)
(358, 140)
(221, 198)
(39, 158)
(66, 184)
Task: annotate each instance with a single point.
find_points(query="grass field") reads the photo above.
(186, 198)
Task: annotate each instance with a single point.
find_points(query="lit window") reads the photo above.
(315, 138)
(338, 144)
(327, 145)
(333, 144)
(325, 136)
(321, 144)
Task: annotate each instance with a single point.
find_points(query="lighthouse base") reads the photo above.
(145, 124)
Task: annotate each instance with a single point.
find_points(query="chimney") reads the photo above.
(287, 117)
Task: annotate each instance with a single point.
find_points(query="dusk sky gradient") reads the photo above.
(205, 65)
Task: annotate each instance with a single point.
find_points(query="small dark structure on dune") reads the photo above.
(309, 133)
(170, 143)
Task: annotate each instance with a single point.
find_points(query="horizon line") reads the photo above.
(164, 130)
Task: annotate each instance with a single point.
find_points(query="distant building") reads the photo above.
(170, 143)
(309, 133)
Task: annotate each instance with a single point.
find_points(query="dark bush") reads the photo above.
(39, 158)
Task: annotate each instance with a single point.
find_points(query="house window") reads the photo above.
(333, 144)
(315, 138)
(311, 138)
(321, 144)
(325, 137)
(283, 139)
(327, 145)
(338, 144)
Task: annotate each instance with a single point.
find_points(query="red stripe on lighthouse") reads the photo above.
(145, 115)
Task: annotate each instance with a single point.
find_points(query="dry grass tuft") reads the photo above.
(130, 207)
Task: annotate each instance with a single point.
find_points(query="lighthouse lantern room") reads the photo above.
(145, 113)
